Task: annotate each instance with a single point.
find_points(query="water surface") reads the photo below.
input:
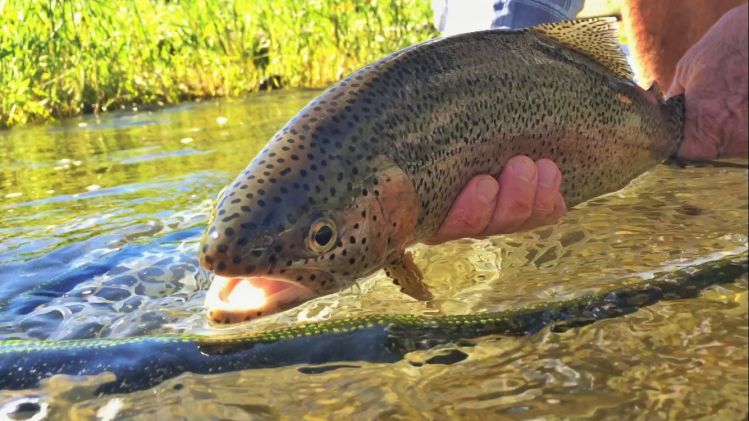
(101, 218)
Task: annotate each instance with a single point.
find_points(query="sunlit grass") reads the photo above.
(64, 57)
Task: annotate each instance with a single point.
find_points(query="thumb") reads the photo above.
(676, 88)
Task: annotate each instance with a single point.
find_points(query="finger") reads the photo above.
(678, 83)
(702, 128)
(471, 211)
(677, 87)
(517, 189)
(547, 192)
(560, 209)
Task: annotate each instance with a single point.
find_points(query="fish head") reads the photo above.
(293, 227)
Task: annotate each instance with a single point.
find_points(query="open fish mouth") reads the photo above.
(236, 299)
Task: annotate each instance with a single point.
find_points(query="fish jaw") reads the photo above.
(234, 300)
(372, 230)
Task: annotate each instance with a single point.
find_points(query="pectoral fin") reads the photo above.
(407, 275)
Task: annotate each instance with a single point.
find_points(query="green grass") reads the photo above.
(65, 57)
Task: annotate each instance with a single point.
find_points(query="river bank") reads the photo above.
(64, 58)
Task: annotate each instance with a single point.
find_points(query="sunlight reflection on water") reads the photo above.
(121, 260)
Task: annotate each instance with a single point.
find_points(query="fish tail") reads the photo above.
(674, 112)
(674, 106)
(677, 111)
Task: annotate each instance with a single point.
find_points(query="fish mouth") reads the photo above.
(236, 299)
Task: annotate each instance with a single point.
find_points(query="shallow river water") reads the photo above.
(100, 219)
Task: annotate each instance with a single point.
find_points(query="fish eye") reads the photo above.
(322, 236)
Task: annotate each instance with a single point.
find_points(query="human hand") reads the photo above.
(525, 196)
(713, 77)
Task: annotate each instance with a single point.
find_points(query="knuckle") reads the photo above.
(472, 226)
(469, 223)
(519, 210)
(543, 209)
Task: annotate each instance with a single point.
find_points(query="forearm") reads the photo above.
(659, 32)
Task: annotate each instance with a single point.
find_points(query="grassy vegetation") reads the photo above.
(65, 57)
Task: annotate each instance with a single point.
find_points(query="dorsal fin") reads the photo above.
(595, 37)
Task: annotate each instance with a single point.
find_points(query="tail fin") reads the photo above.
(677, 112)
(675, 105)
(674, 111)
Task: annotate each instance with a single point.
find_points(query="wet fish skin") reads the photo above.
(382, 155)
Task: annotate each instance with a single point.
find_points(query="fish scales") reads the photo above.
(478, 100)
(400, 138)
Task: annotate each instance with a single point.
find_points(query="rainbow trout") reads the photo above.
(374, 163)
